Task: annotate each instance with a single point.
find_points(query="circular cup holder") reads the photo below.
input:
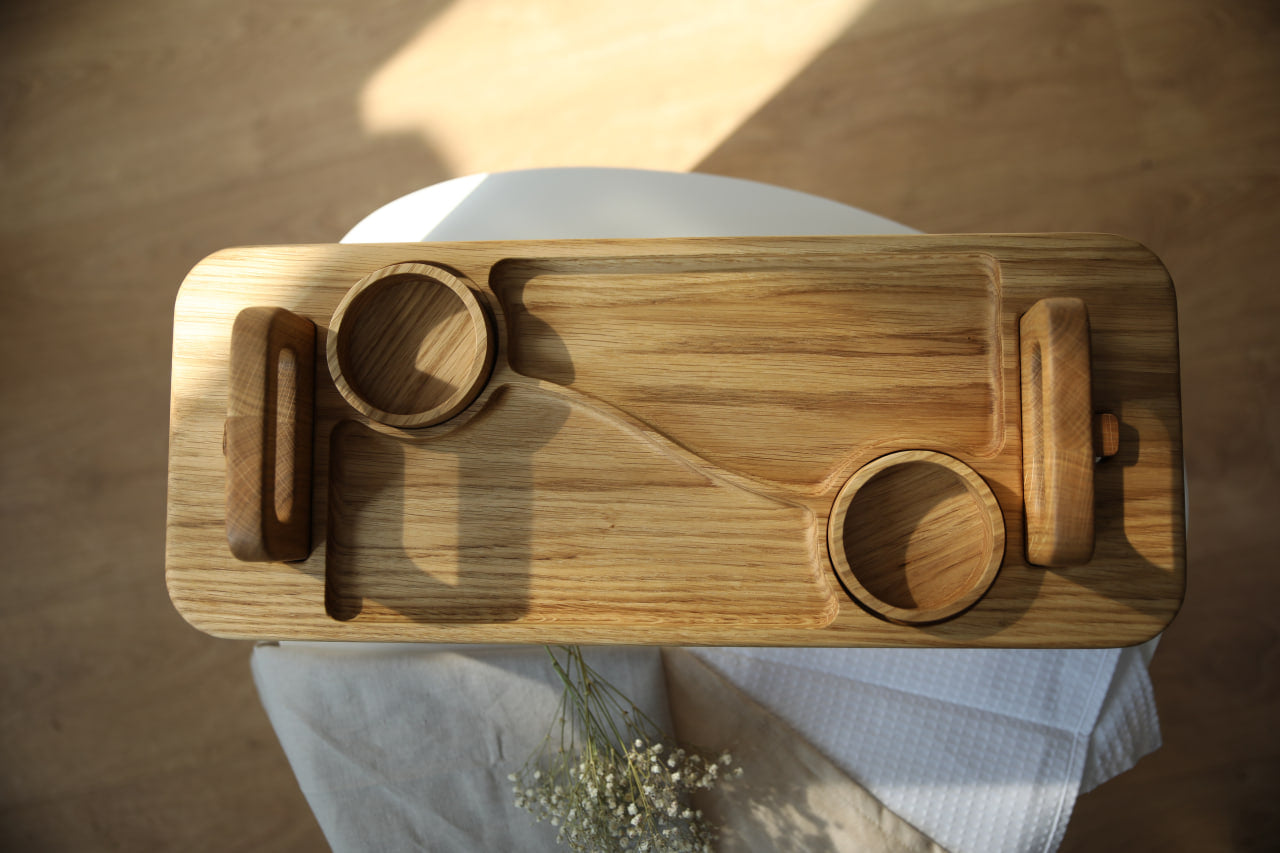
(410, 345)
(916, 536)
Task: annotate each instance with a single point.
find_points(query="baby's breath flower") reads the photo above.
(592, 787)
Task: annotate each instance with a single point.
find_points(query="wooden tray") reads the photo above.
(788, 441)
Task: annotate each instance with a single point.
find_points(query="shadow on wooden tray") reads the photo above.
(433, 533)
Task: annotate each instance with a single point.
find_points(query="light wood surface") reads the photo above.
(545, 516)
(776, 367)
(1057, 432)
(657, 452)
(267, 437)
(221, 124)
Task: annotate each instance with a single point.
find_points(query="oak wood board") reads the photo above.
(656, 452)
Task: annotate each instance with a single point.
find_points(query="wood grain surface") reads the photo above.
(1057, 432)
(757, 363)
(267, 438)
(656, 454)
(545, 515)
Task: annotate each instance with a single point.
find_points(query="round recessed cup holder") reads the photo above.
(916, 536)
(410, 345)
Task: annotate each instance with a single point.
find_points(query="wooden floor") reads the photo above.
(137, 137)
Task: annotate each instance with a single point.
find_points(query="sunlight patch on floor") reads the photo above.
(495, 86)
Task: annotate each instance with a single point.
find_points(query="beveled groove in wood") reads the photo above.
(286, 440)
(410, 346)
(916, 536)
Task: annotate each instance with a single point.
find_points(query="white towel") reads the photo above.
(408, 747)
(983, 750)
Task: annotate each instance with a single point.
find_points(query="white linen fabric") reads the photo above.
(404, 747)
(407, 747)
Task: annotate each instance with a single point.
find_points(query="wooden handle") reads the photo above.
(268, 435)
(1057, 432)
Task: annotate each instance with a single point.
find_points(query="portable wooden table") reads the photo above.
(883, 441)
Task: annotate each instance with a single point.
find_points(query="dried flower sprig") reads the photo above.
(615, 780)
